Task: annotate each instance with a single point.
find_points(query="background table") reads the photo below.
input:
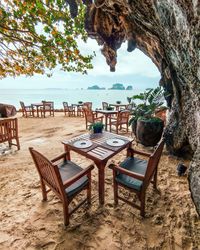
(100, 152)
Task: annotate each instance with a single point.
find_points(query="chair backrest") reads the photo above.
(123, 116)
(153, 161)
(104, 105)
(129, 106)
(89, 116)
(22, 105)
(8, 129)
(65, 105)
(48, 105)
(48, 172)
(88, 104)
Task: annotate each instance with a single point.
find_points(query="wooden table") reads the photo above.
(37, 105)
(100, 152)
(107, 113)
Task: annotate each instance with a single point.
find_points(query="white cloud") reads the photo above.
(132, 67)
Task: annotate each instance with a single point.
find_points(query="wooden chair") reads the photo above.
(48, 106)
(136, 174)
(27, 111)
(121, 119)
(91, 117)
(105, 105)
(9, 132)
(70, 110)
(65, 179)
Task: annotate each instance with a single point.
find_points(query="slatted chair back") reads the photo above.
(65, 105)
(105, 105)
(123, 117)
(153, 162)
(48, 172)
(23, 108)
(89, 116)
(9, 131)
(88, 104)
(129, 107)
(22, 105)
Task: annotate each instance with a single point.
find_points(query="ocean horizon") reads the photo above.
(60, 95)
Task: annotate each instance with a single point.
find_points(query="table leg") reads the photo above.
(101, 184)
(37, 108)
(129, 150)
(106, 122)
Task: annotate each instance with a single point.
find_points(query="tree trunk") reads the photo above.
(168, 32)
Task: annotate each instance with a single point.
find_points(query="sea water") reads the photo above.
(58, 96)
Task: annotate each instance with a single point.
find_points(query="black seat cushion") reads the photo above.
(135, 165)
(68, 170)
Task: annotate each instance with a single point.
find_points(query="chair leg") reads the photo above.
(89, 188)
(17, 142)
(155, 179)
(115, 186)
(44, 192)
(142, 200)
(65, 213)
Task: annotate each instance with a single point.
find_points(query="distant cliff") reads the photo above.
(129, 87)
(95, 87)
(118, 86)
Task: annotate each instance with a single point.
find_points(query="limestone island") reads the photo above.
(118, 86)
(95, 87)
(129, 87)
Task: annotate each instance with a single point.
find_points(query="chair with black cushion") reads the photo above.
(135, 174)
(64, 178)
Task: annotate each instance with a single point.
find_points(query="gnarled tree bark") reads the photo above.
(167, 31)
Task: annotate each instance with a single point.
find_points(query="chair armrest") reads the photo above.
(139, 152)
(78, 176)
(59, 157)
(117, 168)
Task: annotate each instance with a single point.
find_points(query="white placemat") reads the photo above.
(115, 142)
(83, 144)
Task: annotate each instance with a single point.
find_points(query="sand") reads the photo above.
(28, 223)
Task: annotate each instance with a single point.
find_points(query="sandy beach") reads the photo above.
(26, 222)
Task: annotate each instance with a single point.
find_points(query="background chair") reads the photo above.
(48, 106)
(136, 174)
(118, 122)
(27, 111)
(91, 117)
(129, 107)
(9, 132)
(65, 179)
(70, 110)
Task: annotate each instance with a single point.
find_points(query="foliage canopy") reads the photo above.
(36, 36)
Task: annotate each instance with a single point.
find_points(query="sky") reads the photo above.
(133, 68)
